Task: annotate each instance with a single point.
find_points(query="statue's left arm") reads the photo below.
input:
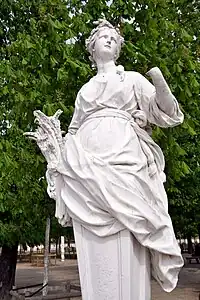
(157, 100)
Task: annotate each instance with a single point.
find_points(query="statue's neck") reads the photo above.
(106, 67)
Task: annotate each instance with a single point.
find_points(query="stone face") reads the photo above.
(107, 175)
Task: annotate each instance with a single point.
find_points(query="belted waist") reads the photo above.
(138, 116)
(138, 121)
(110, 112)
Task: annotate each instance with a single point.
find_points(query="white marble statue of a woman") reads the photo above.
(107, 173)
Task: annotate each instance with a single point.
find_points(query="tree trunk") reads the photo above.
(199, 232)
(56, 246)
(68, 242)
(59, 250)
(46, 257)
(62, 246)
(190, 247)
(8, 261)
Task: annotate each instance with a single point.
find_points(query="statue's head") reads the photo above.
(104, 42)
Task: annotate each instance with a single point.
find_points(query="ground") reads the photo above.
(188, 287)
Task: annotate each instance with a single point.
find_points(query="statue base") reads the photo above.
(116, 267)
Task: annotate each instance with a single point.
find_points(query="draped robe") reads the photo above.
(110, 176)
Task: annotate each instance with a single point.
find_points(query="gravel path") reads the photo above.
(188, 287)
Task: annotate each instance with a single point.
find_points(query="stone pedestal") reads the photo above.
(112, 268)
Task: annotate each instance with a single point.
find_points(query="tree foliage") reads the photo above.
(37, 71)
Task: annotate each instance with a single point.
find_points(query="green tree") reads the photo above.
(43, 65)
(37, 71)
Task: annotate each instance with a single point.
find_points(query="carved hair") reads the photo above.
(90, 42)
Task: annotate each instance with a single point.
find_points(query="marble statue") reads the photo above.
(107, 173)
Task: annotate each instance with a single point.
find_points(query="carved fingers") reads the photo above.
(38, 135)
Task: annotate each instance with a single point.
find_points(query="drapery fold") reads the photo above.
(109, 175)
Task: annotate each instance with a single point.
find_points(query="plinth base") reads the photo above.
(112, 268)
